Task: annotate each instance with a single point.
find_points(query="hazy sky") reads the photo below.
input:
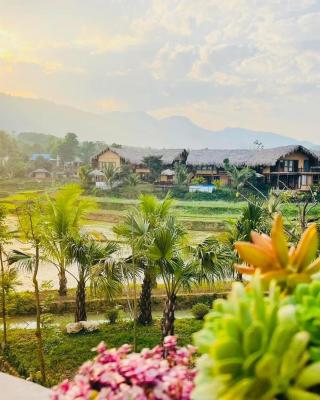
(248, 63)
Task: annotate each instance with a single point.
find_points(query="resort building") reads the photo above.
(134, 156)
(287, 167)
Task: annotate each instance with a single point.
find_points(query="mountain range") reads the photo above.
(18, 114)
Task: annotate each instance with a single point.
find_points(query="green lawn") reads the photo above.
(65, 353)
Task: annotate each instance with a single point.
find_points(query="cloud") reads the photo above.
(230, 62)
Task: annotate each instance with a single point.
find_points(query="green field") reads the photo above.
(68, 352)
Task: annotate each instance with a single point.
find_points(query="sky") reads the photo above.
(222, 63)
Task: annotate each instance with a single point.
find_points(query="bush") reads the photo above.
(164, 372)
(112, 315)
(200, 310)
(255, 348)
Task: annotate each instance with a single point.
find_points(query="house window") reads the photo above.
(288, 165)
(104, 164)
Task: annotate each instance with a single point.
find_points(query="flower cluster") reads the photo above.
(162, 373)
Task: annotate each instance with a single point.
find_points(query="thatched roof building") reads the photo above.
(250, 157)
(135, 155)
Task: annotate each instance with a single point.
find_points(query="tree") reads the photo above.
(137, 230)
(215, 257)
(239, 176)
(175, 272)
(84, 176)
(29, 215)
(111, 174)
(154, 163)
(87, 149)
(181, 174)
(62, 219)
(4, 238)
(132, 180)
(68, 149)
(88, 254)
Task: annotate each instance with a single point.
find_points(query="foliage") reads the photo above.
(68, 149)
(84, 176)
(306, 297)
(154, 163)
(200, 310)
(253, 349)
(112, 315)
(198, 180)
(163, 372)
(215, 257)
(254, 218)
(111, 174)
(181, 176)
(132, 180)
(239, 176)
(271, 256)
(63, 349)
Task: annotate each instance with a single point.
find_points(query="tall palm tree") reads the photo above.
(137, 231)
(62, 219)
(29, 215)
(175, 272)
(88, 255)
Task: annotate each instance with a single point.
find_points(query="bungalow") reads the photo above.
(292, 167)
(40, 173)
(134, 156)
(167, 177)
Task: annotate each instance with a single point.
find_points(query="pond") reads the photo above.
(29, 322)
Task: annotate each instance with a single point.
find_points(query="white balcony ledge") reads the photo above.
(18, 389)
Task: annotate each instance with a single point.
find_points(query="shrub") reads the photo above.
(200, 310)
(161, 373)
(254, 348)
(112, 315)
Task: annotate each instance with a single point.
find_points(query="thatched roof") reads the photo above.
(96, 172)
(135, 155)
(168, 172)
(251, 158)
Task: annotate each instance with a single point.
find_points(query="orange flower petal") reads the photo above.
(263, 241)
(254, 255)
(279, 241)
(307, 248)
(313, 268)
(245, 269)
(279, 275)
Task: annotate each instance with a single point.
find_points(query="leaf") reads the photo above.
(307, 248)
(310, 376)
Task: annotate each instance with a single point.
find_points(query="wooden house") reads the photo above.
(286, 167)
(134, 156)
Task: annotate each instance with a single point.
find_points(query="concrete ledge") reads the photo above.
(19, 389)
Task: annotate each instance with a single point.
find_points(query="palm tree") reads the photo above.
(132, 180)
(84, 176)
(88, 255)
(181, 174)
(62, 219)
(111, 174)
(215, 257)
(239, 176)
(137, 231)
(175, 272)
(29, 215)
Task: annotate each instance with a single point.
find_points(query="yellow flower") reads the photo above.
(271, 255)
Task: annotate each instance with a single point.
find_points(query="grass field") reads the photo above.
(65, 353)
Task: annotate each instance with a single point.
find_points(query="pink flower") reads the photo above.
(162, 373)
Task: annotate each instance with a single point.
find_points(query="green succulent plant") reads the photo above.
(253, 348)
(306, 298)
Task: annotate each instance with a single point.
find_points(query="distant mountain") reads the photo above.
(19, 114)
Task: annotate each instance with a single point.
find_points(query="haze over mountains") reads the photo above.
(18, 114)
